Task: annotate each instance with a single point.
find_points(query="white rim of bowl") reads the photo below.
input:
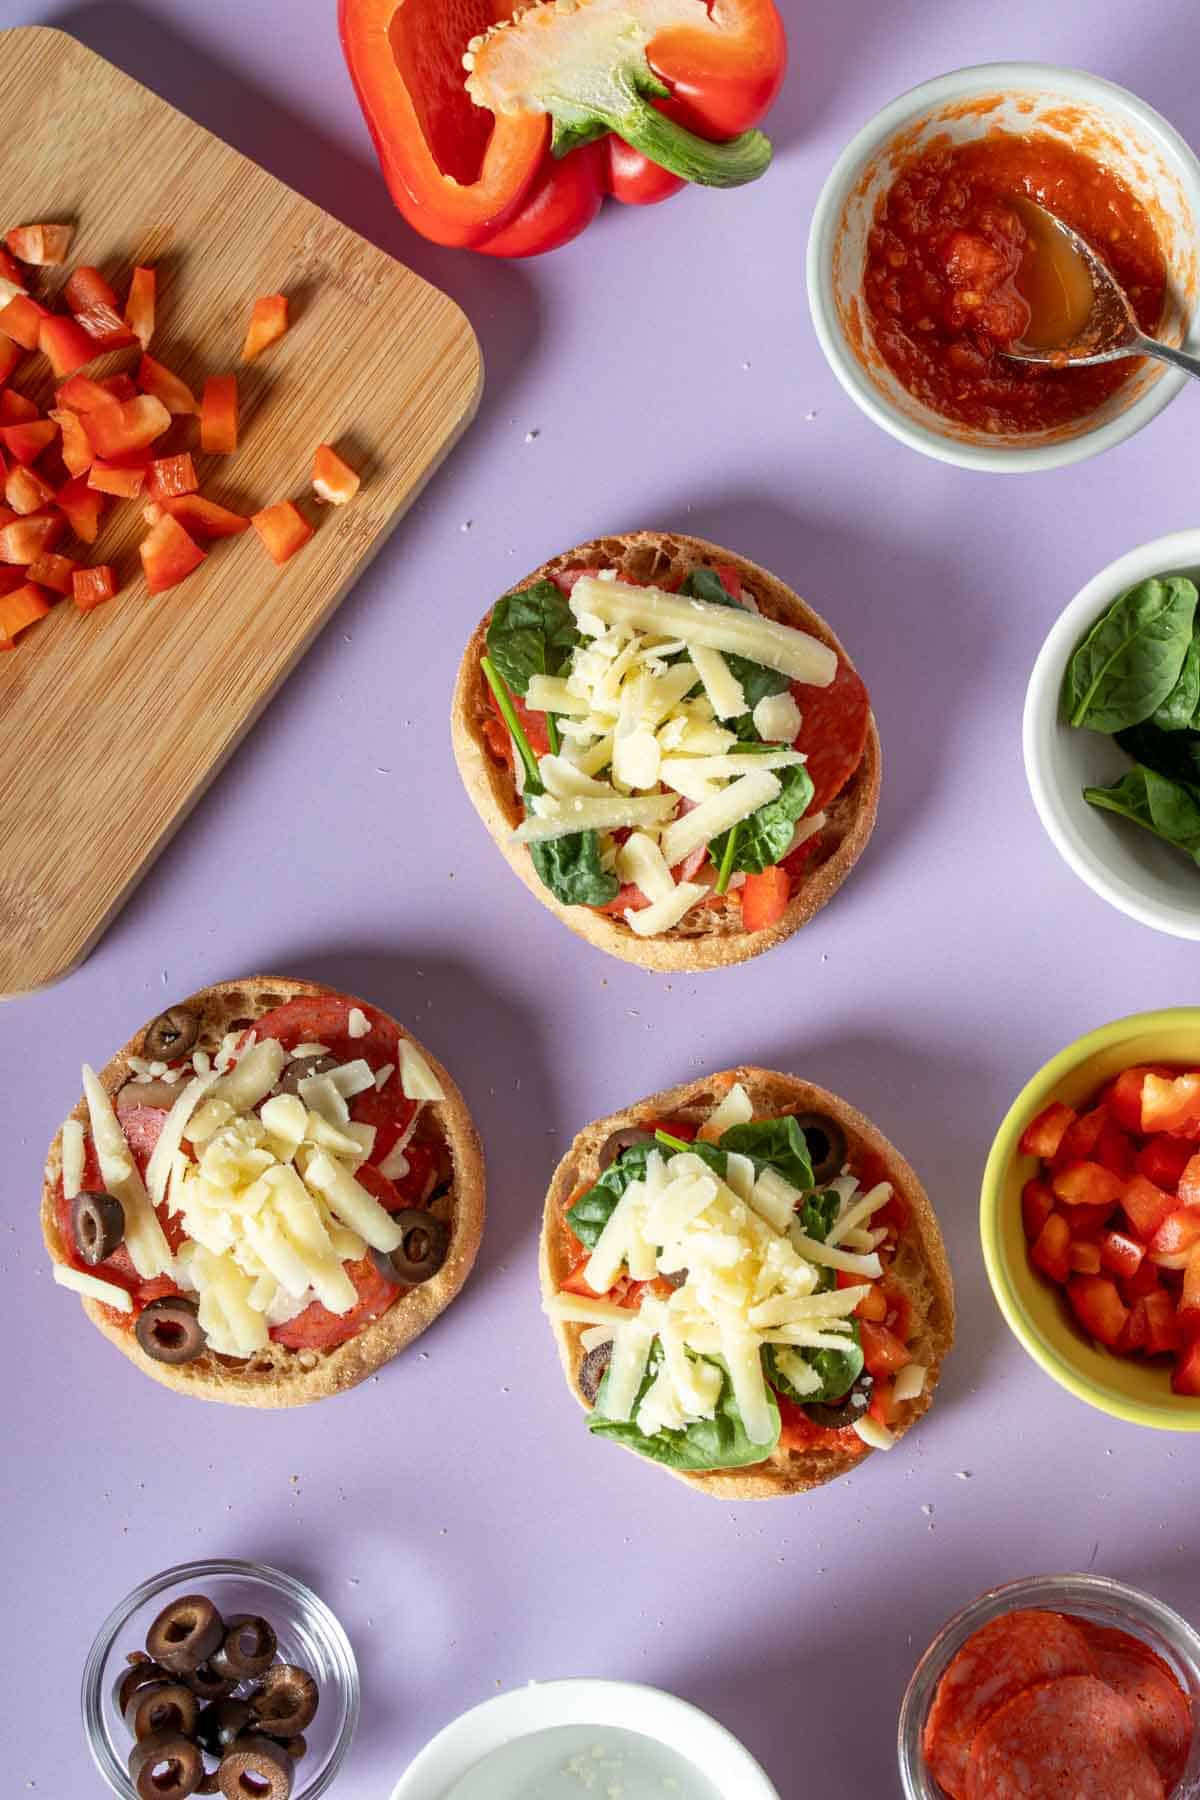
(1020, 459)
(592, 1704)
(1041, 715)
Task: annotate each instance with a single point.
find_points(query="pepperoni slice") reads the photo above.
(1072, 1739)
(142, 1126)
(833, 732)
(1164, 1716)
(318, 1329)
(325, 1019)
(1000, 1661)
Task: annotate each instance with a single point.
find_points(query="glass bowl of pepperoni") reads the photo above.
(1090, 1218)
(919, 264)
(308, 1636)
(1056, 1668)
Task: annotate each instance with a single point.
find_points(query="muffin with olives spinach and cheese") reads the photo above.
(267, 1194)
(747, 1283)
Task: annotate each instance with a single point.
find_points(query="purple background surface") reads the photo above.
(453, 1510)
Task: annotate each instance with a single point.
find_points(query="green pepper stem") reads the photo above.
(726, 869)
(533, 779)
(696, 159)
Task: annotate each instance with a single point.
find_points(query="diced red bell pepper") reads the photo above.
(121, 387)
(15, 409)
(139, 308)
(82, 506)
(1189, 1182)
(40, 245)
(155, 378)
(283, 530)
(1123, 1098)
(94, 586)
(1178, 1233)
(1115, 1151)
(219, 416)
(12, 578)
(1088, 1221)
(168, 555)
(883, 1351)
(1086, 1184)
(1081, 1137)
(1097, 1304)
(83, 395)
(883, 1407)
(24, 606)
(26, 442)
(10, 356)
(1051, 1252)
(333, 479)
(268, 322)
(77, 452)
(10, 269)
(1189, 1296)
(1042, 1136)
(1121, 1254)
(1084, 1256)
(53, 572)
(24, 540)
(204, 518)
(898, 1317)
(873, 1305)
(21, 320)
(120, 427)
(1136, 1332)
(1162, 1326)
(1186, 1376)
(171, 476)
(67, 345)
(97, 309)
(1163, 1159)
(1147, 1280)
(1146, 1206)
(109, 478)
(1037, 1203)
(25, 490)
(764, 899)
(1171, 1104)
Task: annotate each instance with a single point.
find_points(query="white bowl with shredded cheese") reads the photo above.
(564, 1740)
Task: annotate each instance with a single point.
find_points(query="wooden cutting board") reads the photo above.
(112, 724)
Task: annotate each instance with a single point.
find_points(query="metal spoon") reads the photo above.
(1110, 330)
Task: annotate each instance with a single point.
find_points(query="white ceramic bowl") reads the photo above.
(1127, 866)
(497, 1728)
(1137, 144)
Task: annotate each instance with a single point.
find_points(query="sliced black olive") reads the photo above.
(220, 1724)
(172, 1035)
(142, 1674)
(147, 1093)
(834, 1414)
(255, 1766)
(247, 1649)
(826, 1146)
(167, 1766)
(185, 1633)
(169, 1331)
(676, 1279)
(296, 1072)
(160, 1706)
(285, 1701)
(422, 1249)
(208, 1685)
(625, 1139)
(98, 1226)
(592, 1370)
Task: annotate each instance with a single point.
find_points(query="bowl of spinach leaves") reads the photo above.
(1112, 734)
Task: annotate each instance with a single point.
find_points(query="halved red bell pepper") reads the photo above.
(268, 323)
(155, 378)
(465, 175)
(219, 416)
(24, 606)
(140, 306)
(66, 344)
(26, 442)
(283, 530)
(168, 555)
(92, 587)
(97, 309)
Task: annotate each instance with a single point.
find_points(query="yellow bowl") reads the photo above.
(1124, 1386)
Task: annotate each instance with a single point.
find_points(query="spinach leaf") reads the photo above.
(1178, 711)
(1175, 754)
(766, 836)
(570, 868)
(757, 681)
(838, 1370)
(775, 1143)
(1167, 808)
(592, 1211)
(1131, 659)
(818, 1215)
(532, 632)
(717, 1443)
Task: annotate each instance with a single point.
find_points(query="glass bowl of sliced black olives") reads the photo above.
(226, 1678)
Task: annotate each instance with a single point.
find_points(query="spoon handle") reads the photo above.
(1167, 353)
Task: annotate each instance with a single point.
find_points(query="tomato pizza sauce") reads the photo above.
(953, 265)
